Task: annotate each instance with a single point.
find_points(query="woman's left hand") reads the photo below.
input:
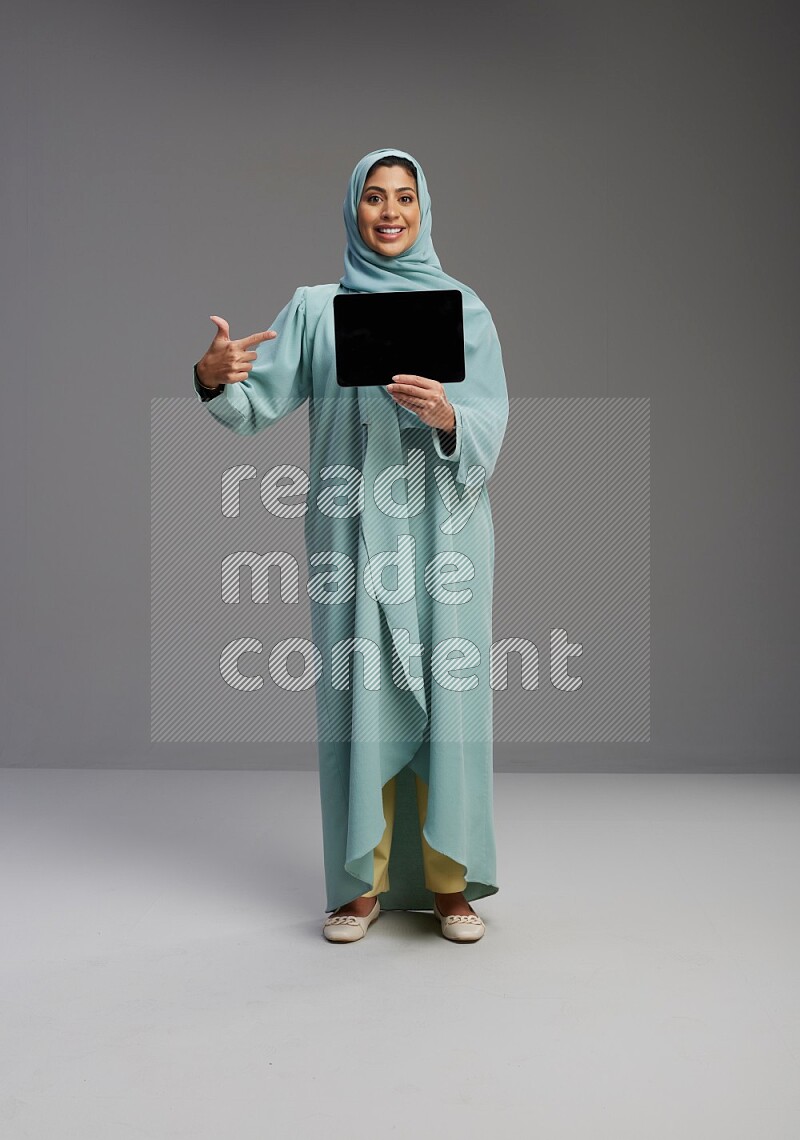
(425, 397)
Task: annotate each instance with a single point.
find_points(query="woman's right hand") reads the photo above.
(229, 361)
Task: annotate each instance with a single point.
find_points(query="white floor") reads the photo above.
(164, 974)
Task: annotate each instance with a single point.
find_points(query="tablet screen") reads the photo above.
(419, 331)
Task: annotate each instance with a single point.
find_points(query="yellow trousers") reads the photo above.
(442, 874)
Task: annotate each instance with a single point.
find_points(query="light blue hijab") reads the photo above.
(418, 267)
(482, 397)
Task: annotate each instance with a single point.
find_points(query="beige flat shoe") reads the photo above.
(349, 927)
(460, 927)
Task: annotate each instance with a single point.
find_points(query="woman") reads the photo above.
(405, 742)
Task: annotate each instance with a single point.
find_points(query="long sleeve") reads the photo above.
(279, 380)
(448, 443)
(480, 404)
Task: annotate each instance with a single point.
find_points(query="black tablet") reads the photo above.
(419, 331)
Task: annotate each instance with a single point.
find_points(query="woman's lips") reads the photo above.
(390, 237)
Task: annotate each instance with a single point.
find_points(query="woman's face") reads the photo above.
(389, 200)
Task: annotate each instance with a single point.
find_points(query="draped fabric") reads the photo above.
(417, 698)
(418, 267)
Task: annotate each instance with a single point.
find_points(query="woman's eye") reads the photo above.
(406, 197)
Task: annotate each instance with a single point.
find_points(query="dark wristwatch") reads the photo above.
(204, 393)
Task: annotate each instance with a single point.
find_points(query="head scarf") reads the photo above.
(418, 267)
(483, 393)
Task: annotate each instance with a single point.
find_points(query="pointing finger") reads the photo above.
(257, 338)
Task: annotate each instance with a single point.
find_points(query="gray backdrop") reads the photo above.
(618, 181)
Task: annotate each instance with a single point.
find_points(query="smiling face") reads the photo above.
(389, 201)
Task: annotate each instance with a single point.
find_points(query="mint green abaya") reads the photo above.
(415, 696)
